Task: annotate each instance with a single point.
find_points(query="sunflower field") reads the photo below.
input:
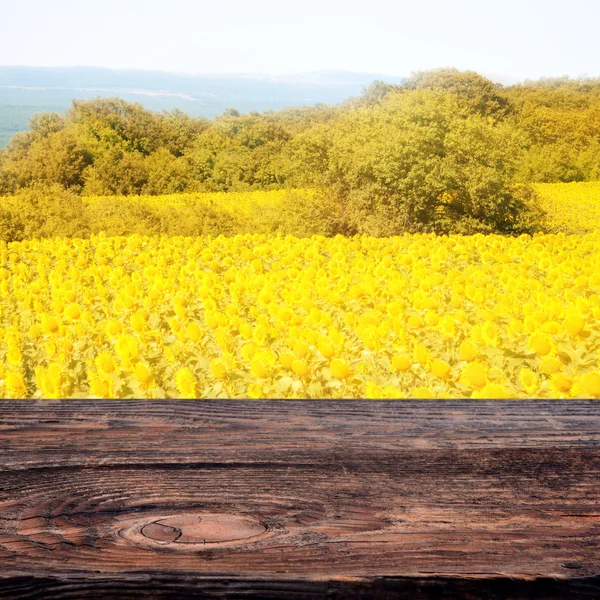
(571, 207)
(262, 316)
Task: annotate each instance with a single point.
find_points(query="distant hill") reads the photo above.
(25, 91)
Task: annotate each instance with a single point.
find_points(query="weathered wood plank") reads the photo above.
(300, 499)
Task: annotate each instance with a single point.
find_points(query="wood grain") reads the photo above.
(348, 499)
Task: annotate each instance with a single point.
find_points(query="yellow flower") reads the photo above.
(113, 328)
(326, 349)
(422, 393)
(456, 301)
(211, 319)
(218, 369)
(221, 338)
(186, 382)
(248, 351)
(440, 369)
(300, 368)
(73, 312)
(181, 311)
(475, 375)
(550, 365)
(414, 322)
(492, 391)
(259, 369)
(467, 351)
(175, 324)
(373, 391)
(15, 385)
(401, 362)
(286, 359)
(105, 363)
(255, 391)
(246, 331)
(529, 380)
(422, 355)
(300, 349)
(49, 381)
(540, 344)
(391, 392)
(574, 324)
(193, 332)
(58, 307)
(551, 327)
(34, 332)
(591, 384)
(50, 324)
(13, 356)
(432, 318)
(143, 374)
(489, 334)
(515, 327)
(394, 309)
(350, 319)
(127, 348)
(169, 354)
(488, 315)
(339, 369)
(448, 327)
(138, 321)
(100, 386)
(561, 382)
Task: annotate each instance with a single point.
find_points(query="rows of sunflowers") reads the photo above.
(271, 316)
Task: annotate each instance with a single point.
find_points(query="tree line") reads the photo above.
(446, 151)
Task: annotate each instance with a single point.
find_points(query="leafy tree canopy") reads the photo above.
(447, 150)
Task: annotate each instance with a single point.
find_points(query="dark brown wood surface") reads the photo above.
(281, 499)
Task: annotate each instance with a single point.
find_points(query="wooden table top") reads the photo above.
(289, 499)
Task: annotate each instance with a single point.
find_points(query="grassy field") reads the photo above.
(278, 316)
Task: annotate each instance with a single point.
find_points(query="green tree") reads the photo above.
(474, 91)
(425, 160)
(116, 172)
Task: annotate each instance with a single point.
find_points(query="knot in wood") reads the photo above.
(202, 529)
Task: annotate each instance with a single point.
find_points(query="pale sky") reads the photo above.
(514, 38)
